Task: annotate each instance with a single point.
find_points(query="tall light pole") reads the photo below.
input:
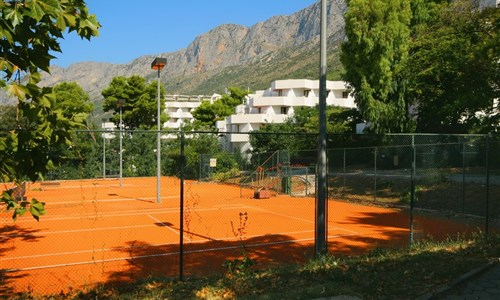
(104, 149)
(158, 64)
(121, 103)
(321, 193)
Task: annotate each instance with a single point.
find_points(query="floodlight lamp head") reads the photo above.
(121, 102)
(158, 63)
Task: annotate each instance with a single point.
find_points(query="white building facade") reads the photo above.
(278, 103)
(489, 3)
(179, 108)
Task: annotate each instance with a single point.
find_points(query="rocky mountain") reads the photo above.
(228, 55)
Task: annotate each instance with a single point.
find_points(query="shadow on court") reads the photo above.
(9, 235)
(389, 229)
(353, 230)
(202, 259)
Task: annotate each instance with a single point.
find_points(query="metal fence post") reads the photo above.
(487, 217)
(463, 176)
(343, 182)
(375, 174)
(181, 208)
(321, 223)
(412, 186)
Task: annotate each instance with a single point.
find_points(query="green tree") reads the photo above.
(374, 57)
(456, 70)
(297, 132)
(141, 102)
(74, 103)
(274, 136)
(30, 31)
(73, 100)
(196, 145)
(140, 153)
(339, 120)
(207, 114)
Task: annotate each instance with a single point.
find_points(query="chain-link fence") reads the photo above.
(219, 205)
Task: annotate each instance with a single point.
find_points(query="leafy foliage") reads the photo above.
(375, 57)
(8, 115)
(207, 114)
(433, 62)
(30, 31)
(455, 67)
(141, 102)
(73, 100)
(302, 126)
(197, 144)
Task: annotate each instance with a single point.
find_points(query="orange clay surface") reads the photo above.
(96, 232)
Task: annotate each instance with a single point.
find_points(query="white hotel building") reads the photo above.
(273, 105)
(278, 103)
(180, 107)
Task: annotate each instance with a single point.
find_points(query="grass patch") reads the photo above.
(380, 274)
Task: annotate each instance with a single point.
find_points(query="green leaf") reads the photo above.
(18, 91)
(70, 20)
(60, 22)
(13, 16)
(37, 209)
(36, 11)
(19, 211)
(45, 102)
(6, 32)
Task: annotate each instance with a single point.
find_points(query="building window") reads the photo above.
(345, 95)
(280, 93)
(284, 110)
(306, 93)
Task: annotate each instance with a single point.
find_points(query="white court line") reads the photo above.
(170, 211)
(94, 215)
(163, 254)
(60, 187)
(91, 201)
(153, 245)
(300, 219)
(225, 207)
(170, 228)
(239, 205)
(125, 213)
(100, 250)
(78, 230)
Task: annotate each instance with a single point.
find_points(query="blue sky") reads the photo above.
(148, 27)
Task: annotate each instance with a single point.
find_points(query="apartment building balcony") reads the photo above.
(283, 101)
(240, 138)
(342, 102)
(184, 104)
(247, 119)
(180, 115)
(172, 125)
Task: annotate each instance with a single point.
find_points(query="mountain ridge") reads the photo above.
(202, 67)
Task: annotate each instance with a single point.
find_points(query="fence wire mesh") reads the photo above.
(112, 221)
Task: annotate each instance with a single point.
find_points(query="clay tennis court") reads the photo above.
(97, 232)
